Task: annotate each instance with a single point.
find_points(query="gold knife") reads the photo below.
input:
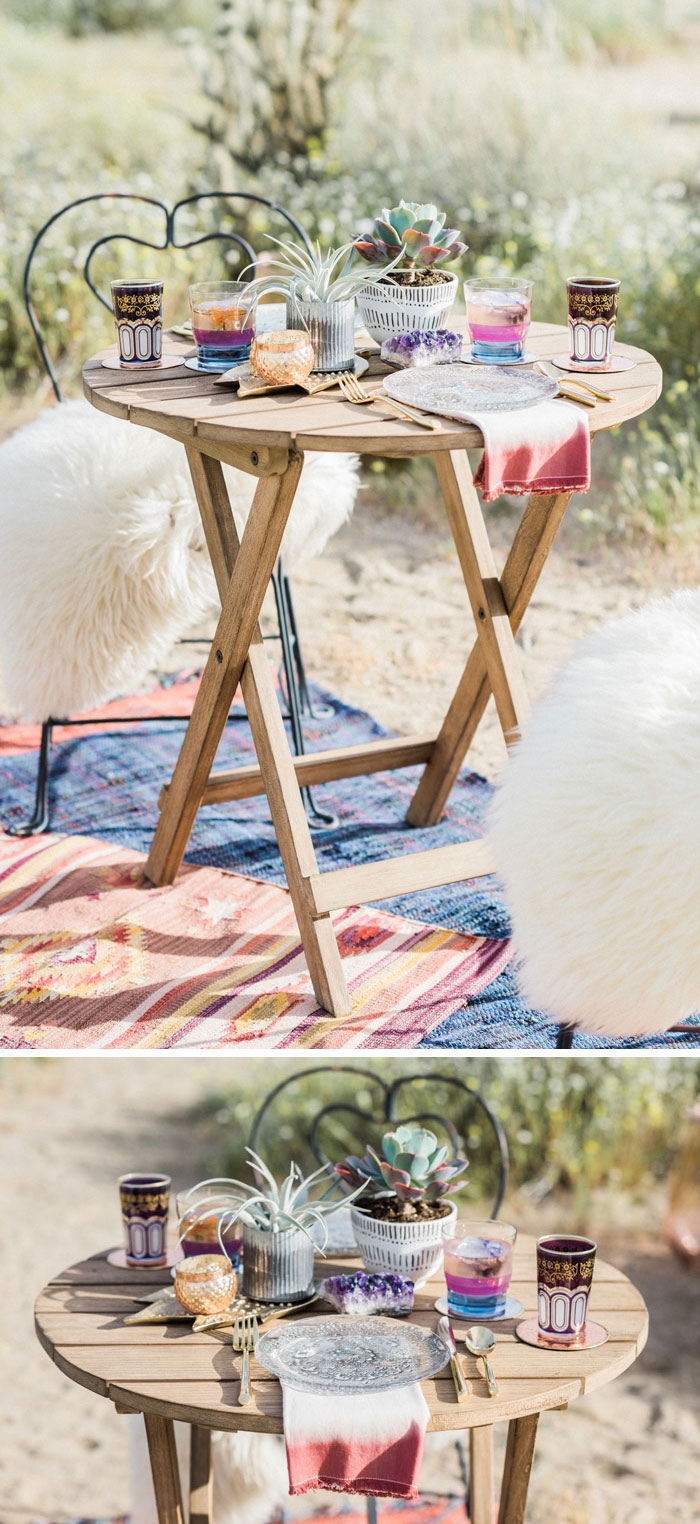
(462, 1387)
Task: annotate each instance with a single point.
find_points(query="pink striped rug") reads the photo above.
(92, 956)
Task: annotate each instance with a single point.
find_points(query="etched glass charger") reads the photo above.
(358, 1355)
(455, 391)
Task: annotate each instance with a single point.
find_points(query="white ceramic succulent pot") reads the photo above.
(387, 309)
(410, 1249)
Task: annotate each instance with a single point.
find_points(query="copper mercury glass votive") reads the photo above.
(205, 1283)
(284, 357)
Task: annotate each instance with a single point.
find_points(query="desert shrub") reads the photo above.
(572, 1125)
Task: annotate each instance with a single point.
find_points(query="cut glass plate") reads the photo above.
(351, 1355)
(456, 391)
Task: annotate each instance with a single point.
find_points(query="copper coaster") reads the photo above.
(114, 363)
(593, 1334)
(118, 1258)
(618, 362)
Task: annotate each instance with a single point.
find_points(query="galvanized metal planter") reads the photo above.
(277, 1267)
(331, 328)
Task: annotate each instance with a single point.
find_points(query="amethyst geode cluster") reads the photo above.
(436, 346)
(368, 1293)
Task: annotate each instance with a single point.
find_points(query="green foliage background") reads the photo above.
(527, 120)
(576, 1124)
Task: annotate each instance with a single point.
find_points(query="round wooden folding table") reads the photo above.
(167, 1372)
(266, 436)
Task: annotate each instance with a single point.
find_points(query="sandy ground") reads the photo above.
(629, 1454)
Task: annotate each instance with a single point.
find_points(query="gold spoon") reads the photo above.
(481, 1342)
(564, 379)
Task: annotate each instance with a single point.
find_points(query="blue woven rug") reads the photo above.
(107, 785)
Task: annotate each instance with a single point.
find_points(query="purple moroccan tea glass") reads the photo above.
(498, 315)
(144, 1203)
(564, 1275)
(592, 304)
(223, 323)
(478, 1267)
(138, 318)
(208, 1220)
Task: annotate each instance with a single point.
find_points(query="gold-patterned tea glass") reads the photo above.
(283, 357)
(144, 1202)
(205, 1283)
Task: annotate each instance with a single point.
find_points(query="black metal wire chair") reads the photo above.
(295, 680)
(391, 1102)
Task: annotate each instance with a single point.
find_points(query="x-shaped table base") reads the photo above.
(238, 656)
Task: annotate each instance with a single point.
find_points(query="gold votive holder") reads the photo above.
(205, 1283)
(284, 357)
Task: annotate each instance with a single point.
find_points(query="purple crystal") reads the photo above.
(435, 346)
(365, 1293)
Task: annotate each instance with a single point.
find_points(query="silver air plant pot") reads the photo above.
(277, 1267)
(331, 328)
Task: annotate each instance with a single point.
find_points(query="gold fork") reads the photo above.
(243, 1339)
(353, 392)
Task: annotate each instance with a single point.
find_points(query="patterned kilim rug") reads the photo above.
(92, 956)
(106, 785)
(424, 1510)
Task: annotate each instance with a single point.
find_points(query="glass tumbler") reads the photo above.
(498, 315)
(478, 1266)
(223, 322)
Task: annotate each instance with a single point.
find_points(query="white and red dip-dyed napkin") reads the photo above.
(541, 449)
(370, 1444)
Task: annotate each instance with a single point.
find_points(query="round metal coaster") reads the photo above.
(512, 1309)
(526, 358)
(118, 1258)
(529, 1333)
(114, 363)
(618, 362)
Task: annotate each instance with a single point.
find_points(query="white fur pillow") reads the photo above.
(596, 828)
(102, 556)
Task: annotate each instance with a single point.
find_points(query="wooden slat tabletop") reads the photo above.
(185, 405)
(167, 1369)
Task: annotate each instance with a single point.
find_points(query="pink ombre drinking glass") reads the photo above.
(498, 314)
(478, 1266)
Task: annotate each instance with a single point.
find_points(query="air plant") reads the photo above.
(276, 1207)
(314, 277)
(412, 1166)
(415, 233)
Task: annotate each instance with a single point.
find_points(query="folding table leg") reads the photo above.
(200, 1475)
(481, 1475)
(164, 1468)
(493, 627)
(520, 1453)
(526, 559)
(241, 604)
(272, 747)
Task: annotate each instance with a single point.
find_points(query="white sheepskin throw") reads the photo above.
(103, 563)
(249, 1475)
(596, 829)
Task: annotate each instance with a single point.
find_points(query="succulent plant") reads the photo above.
(316, 277)
(417, 233)
(275, 1206)
(412, 1165)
